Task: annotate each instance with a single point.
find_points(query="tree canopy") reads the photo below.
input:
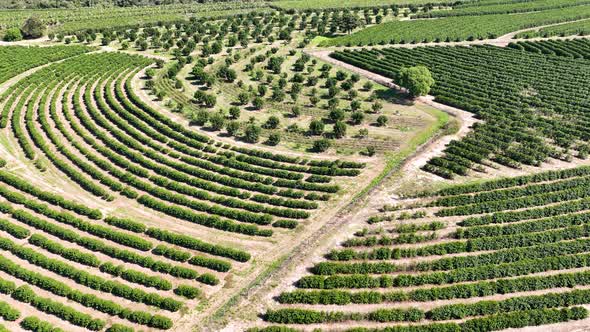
(418, 80)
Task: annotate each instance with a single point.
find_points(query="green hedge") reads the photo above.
(32, 323)
(188, 242)
(304, 316)
(478, 289)
(187, 291)
(7, 312)
(27, 295)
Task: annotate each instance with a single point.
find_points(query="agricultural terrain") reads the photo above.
(294, 165)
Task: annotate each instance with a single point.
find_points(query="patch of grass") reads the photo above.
(394, 160)
(318, 40)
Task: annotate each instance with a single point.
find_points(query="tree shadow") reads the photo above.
(394, 96)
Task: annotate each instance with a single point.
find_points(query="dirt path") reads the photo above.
(466, 120)
(43, 41)
(310, 251)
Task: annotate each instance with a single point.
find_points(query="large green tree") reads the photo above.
(13, 34)
(417, 80)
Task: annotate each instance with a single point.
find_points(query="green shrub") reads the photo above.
(13, 34)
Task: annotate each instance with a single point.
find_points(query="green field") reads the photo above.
(521, 94)
(580, 28)
(577, 48)
(215, 166)
(320, 4)
(456, 28)
(508, 7)
(416, 264)
(71, 20)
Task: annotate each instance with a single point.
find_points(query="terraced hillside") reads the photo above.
(478, 257)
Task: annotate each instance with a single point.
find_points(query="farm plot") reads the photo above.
(579, 28)
(577, 48)
(80, 120)
(447, 29)
(505, 7)
(488, 256)
(17, 59)
(532, 105)
(333, 4)
(307, 93)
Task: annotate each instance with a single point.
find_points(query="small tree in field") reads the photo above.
(272, 122)
(357, 117)
(258, 103)
(274, 139)
(243, 98)
(234, 112)
(377, 107)
(337, 115)
(349, 22)
(418, 80)
(200, 117)
(321, 145)
(339, 129)
(217, 121)
(252, 133)
(232, 128)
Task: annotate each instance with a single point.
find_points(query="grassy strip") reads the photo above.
(395, 160)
